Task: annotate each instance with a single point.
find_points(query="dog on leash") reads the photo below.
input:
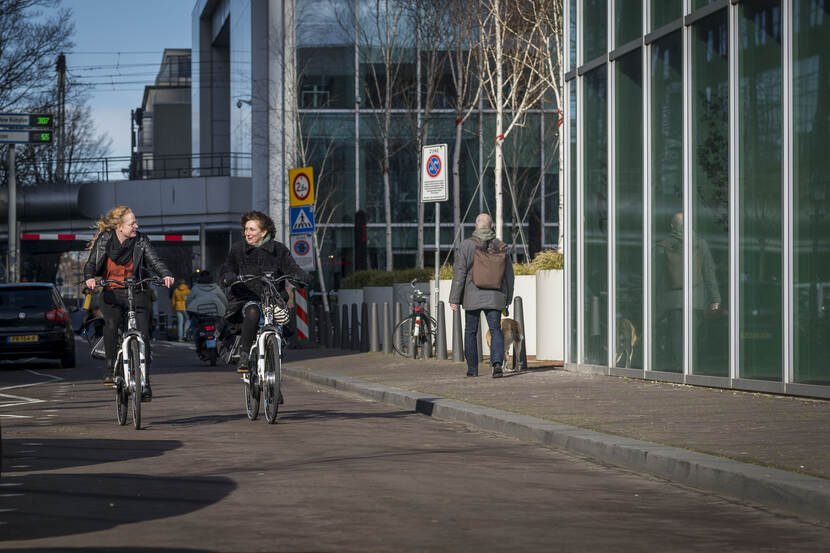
(512, 333)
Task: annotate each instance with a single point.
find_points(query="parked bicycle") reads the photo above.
(265, 374)
(131, 358)
(415, 334)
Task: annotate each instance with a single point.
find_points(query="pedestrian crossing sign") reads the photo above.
(302, 219)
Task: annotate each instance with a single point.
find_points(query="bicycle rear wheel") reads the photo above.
(135, 376)
(402, 339)
(273, 378)
(252, 388)
(122, 395)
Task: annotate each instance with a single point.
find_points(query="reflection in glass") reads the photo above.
(811, 190)
(628, 145)
(628, 24)
(572, 36)
(700, 3)
(760, 324)
(665, 11)
(667, 204)
(710, 195)
(594, 29)
(595, 218)
(573, 226)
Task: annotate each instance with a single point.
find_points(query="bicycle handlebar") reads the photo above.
(269, 278)
(130, 282)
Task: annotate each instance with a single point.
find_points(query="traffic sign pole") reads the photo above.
(11, 267)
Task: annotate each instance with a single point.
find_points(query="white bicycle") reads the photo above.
(131, 358)
(266, 350)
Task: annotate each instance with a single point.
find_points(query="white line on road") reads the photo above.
(10, 494)
(15, 416)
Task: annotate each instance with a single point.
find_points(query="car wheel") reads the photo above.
(68, 359)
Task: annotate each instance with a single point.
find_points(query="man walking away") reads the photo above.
(482, 281)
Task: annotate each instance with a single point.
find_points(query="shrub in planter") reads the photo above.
(544, 260)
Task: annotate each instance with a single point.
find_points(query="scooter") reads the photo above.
(205, 332)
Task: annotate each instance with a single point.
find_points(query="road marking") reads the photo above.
(21, 466)
(23, 400)
(15, 416)
(7, 511)
(26, 451)
(10, 494)
(32, 443)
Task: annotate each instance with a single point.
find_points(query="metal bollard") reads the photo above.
(396, 339)
(374, 341)
(519, 316)
(333, 339)
(478, 339)
(441, 334)
(387, 329)
(345, 343)
(355, 330)
(364, 327)
(457, 337)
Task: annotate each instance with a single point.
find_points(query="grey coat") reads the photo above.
(464, 292)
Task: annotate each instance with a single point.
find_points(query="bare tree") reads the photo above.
(429, 21)
(385, 40)
(463, 34)
(29, 45)
(513, 67)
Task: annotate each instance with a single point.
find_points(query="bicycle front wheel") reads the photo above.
(135, 376)
(122, 394)
(403, 341)
(252, 388)
(273, 378)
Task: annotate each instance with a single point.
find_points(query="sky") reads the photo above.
(118, 46)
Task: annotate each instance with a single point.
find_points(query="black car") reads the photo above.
(34, 322)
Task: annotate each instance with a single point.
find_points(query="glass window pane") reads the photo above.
(700, 3)
(667, 204)
(811, 190)
(628, 145)
(710, 195)
(595, 217)
(760, 260)
(629, 21)
(594, 29)
(572, 36)
(665, 11)
(573, 218)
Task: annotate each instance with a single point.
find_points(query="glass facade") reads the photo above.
(595, 217)
(664, 11)
(718, 172)
(628, 21)
(811, 190)
(710, 195)
(667, 204)
(760, 265)
(628, 190)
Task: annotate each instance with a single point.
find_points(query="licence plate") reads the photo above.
(23, 338)
(210, 343)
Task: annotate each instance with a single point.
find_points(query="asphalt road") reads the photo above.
(337, 473)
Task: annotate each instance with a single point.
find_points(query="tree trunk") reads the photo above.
(499, 124)
(320, 274)
(456, 184)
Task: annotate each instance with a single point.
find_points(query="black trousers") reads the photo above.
(114, 307)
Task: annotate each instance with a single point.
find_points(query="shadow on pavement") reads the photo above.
(52, 454)
(203, 419)
(121, 549)
(52, 505)
(326, 414)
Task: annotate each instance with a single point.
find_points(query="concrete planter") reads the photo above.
(550, 315)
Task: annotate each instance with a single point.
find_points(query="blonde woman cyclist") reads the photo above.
(119, 251)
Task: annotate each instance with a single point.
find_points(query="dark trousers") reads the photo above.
(250, 324)
(472, 317)
(114, 307)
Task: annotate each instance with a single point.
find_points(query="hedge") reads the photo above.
(544, 260)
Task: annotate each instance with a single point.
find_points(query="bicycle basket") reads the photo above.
(98, 351)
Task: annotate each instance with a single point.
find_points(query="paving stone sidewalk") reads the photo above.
(761, 430)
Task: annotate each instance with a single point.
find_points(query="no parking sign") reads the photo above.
(302, 251)
(434, 174)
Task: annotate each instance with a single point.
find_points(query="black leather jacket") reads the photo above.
(146, 262)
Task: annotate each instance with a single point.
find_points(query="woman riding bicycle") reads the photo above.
(259, 253)
(119, 251)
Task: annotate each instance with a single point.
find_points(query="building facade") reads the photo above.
(294, 83)
(697, 191)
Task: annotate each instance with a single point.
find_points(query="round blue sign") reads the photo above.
(434, 166)
(301, 247)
